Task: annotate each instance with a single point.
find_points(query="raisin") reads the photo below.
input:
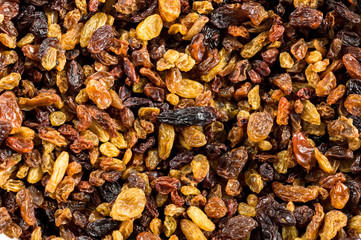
(305, 153)
(231, 163)
(226, 16)
(303, 215)
(306, 17)
(238, 227)
(75, 76)
(199, 116)
(101, 227)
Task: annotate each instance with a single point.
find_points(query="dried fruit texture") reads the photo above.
(343, 130)
(231, 163)
(100, 39)
(129, 204)
(43, 99)
(191, 231)
(96, 21)
(215, 208)
(200, 167)
(10, 111)
(100, 227)
(299, 49)
(199, 116)
(10, 81)
(354, 223)
(352, 65)
(151, 27)
(169, 10)
(254, 180)
(310, 113)
(189, 88)
(27, 209)
(283, 111)
(98, 93)
(352, 104)
(333, 222)
(166, 137)
(304, 151)
(147, 236)
(59, 169)
(306, 17)
(326, 85)
(71, 38)
(125, 6)
(255, 11)
(286, 60)
(206, 119)
(166, 185)
(339, 195)
(295, 193)
(254, 46)
(238, 227)
(53, 136)
(259, 126)
(200, 218)
(283, 81)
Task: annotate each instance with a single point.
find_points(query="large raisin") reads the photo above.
(101, 227)
(199, 116)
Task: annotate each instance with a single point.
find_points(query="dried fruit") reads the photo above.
(304, 151)
(129, 204)
(27, 209)
(352, 104)
(126, 119)
(333, 222)
(60, 166)
(339, 195)
(295, 193)
(98, 93)
(191, 231)
(200, 167)
(238, 227)
(200, 218)
(215, 208)
(259, 126)
(169, 10)
(310, 113)
(165, 140)
(306, 17)
(151, 27)
(10, 111)
(96, 21)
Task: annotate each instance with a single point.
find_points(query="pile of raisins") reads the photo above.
(180, 119)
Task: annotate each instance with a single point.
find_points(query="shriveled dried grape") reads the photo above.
(200, 218)
(152, 119)
(169, 10)
(96, 21)
(191, 231)
(199, 116)
(238, 227)
(129, 204)
(165, 140)
(339, 195)
(58, 173)
(151, 27)
(304, 151)
(10, 111)
(295, 193)
(259, 126)
(27, 208)
(254, 180)
(333, 222)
